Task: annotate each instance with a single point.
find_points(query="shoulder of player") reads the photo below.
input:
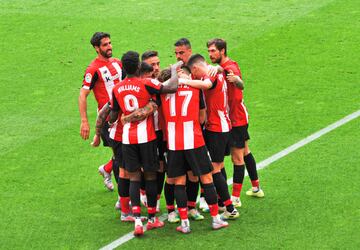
(150, 82)
(114, 59)
(93, 65)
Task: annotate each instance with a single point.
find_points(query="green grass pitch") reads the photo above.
(300, 61)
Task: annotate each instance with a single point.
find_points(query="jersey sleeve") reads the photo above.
(90, 78)
(153, 86)
(201, 100)
(156, 99)
(213, 81)
(234, 68)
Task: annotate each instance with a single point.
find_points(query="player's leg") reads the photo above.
(250, 164)
(124, 193)
(131, 156)
(169, 192)
(237, 157)
(223, 192)
(212, 201)
(134, 191)
(176, 172)
(181, 201)
(237, 143)
(105, 169)
(192, 190)
(200, 163)
(151, 193)
(161, 145)
(116, 162)
(217, 145)
(143, 198)
(150, 164)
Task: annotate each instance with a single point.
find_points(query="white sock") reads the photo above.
(185, 223)
(138, 222)
(216, 217)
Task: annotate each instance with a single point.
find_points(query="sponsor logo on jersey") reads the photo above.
(112, 78)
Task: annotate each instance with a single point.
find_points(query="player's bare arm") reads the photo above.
(84, 127)
(235, 79)
(113, 116)
(140, 114)
(198, 84)
(172, 84)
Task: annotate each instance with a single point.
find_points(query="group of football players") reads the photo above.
(174, 125)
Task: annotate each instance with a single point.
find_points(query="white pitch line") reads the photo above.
(261, 165)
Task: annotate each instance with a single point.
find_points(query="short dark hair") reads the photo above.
(195, 59)
(130, 61)
(96, 38)
(145, 68)
(148, 54)
(183, 42)
(164, 75)
(186, 68)
(219, 44)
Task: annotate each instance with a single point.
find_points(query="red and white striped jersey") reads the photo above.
(181, 114)
(217, 105)
(129, 95)
(116, 130)
(237, 111)
(101, 76)
(158, 117)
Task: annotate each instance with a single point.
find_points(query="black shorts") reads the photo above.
(180, 161)
(238, 136)
(142, 155)
(161, 145)
(218, 145)
(104, 133)
(117, 149)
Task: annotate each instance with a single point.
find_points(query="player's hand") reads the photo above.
(85, 130)
(96, 141)
(122, 119)
(177, 65)
(232, 78)
(212, 70)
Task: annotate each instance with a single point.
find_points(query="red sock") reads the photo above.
(236, 189)
(158, 197)
(191, 204)
(255, 183)
(142, 191)
(136, 211)
(151, 211)
(170, 208)
(125, 208)
(183, 212)
(108, 166)
(227, 202)
(214, 209)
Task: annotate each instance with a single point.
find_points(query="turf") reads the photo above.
(299, 60)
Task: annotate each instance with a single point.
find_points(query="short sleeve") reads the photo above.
(213, 81)
(153, 86)
(90, 78)
(234, 68)
(201, 100)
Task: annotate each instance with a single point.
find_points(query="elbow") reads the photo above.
(173, 86)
